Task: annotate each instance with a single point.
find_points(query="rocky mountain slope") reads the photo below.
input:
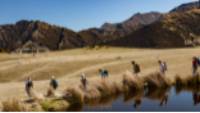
(53, 37)
(186, 7)
(177, 29)
(15, 36)
(110, 31)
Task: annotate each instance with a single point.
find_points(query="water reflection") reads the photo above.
(196, 98)
(195, 89)
(161, 95)
(162, 99)
(136, 97)
(103, 102)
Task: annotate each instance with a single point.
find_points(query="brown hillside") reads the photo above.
(176, 29)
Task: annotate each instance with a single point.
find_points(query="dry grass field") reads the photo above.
(68, 65)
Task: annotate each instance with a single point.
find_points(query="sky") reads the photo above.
(80, 14)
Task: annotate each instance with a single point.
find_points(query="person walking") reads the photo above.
(28, 86)
(53, 83)
(165, 66)
(103, 73)
(84, 80)
(162, 66)
(136, 68)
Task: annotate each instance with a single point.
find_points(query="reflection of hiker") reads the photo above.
(163, 67)
(136, 68)
(164, 100)
(137, 103)
(28, 86)
(83, 80)
(195, 64)
(53, 83)
(196, 98)
(103, 73)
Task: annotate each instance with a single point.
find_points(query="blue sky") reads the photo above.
(80, 14)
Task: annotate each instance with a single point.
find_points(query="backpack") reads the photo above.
(54, 83)
(106, 72)
(137, 68)
(29, 84)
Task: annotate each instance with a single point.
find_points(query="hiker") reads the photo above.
(53, 86)
(83, 80)
(53, 83)
(103, 73)
(136, 68)
(194, 66)
(28, 86)
(163, 67)
(106, 73)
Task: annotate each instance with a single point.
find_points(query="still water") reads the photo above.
(169, 99)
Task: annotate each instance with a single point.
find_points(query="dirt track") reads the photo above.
(67, 66)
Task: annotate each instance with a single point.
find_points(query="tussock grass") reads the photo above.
(36, 96)
(131, 82)
(156, 80)
(108, 88)
(181, 81)
(74, 96)
(91, 93)
(54, 105)
(190, 83)
(101, 89)
(13, 105)
(104, 91)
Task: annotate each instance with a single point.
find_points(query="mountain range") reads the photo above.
(178, 28)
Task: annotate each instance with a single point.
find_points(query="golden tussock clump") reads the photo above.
(156, 80)
(189, 81)
(108, 88)
(74, 96)
(12, 105)
(95, 91)
(90, 93)
(131, 82)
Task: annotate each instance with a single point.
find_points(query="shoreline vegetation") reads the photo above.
(74, 98)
